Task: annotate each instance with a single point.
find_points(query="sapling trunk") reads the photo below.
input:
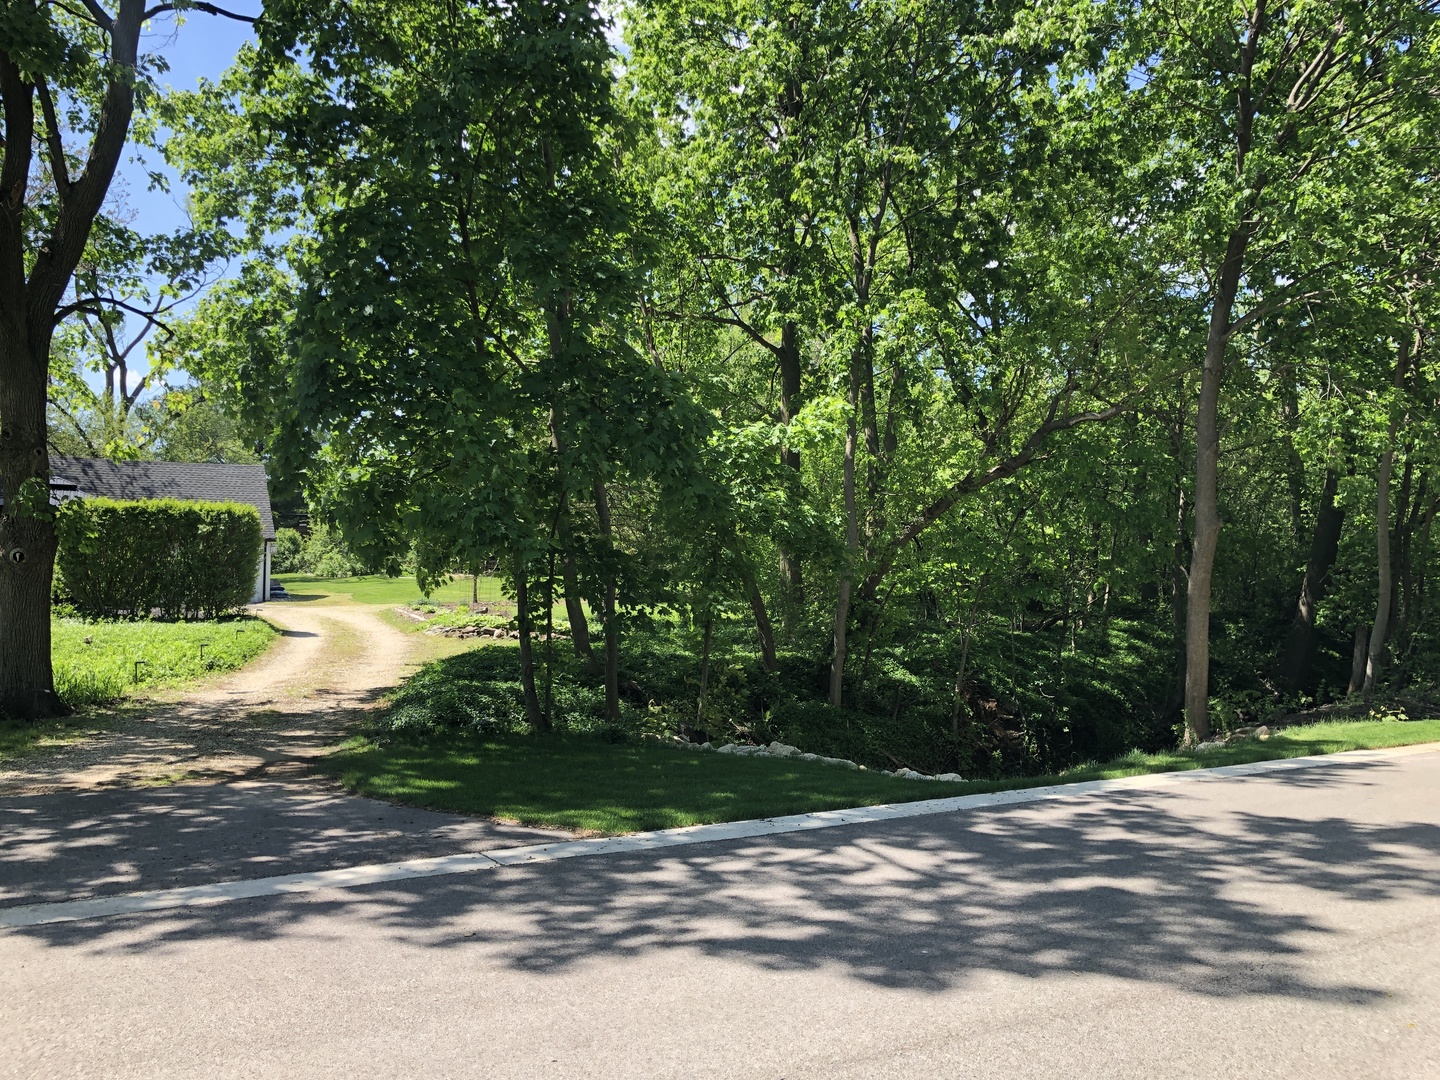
(537, 720)
(1299, 654)
(852, 545)
(612, 628)
(704, 672)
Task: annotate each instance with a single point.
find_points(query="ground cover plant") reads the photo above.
(585, 783)
(100, 662)
(1027, 711)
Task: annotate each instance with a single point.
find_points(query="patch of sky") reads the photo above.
(147, 193)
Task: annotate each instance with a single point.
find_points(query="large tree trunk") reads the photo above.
(574, 608)
(1207, 511)
(704, 672)
(1380, 629)
(537, 719)
(612, 628)
(1299, 654)
(852, 543)
(27, 547)
(28, 306)
(1357, 660)
(575, 612)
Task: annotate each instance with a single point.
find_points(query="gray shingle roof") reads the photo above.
(166, 480)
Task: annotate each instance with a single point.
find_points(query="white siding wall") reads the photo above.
(262, 574)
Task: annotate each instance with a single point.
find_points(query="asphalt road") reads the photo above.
(1284, 924)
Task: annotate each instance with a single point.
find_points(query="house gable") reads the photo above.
(72, 477)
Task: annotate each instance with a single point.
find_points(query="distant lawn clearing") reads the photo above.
(585, 785)
(379, 589)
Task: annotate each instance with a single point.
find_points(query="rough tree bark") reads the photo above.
(28, 314)
(792, 577)
(1207, 511)
(763, 629)
(852, 544)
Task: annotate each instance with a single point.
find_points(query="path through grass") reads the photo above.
(583, 784)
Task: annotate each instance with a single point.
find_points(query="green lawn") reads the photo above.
(96, 661)
(584, 784)
(379, 589)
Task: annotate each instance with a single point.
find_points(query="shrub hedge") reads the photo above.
(180, 560)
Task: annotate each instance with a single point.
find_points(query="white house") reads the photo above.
(72, 477)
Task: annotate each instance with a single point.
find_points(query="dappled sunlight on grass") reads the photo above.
(583, 784)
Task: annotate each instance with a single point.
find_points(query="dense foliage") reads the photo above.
(168, 557)
(989, 386)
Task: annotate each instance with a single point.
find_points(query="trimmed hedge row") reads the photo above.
(180, 560)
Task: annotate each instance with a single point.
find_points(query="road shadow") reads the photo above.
(1166, 886)
(54, 847)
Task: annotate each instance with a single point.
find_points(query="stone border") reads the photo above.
(784, 750)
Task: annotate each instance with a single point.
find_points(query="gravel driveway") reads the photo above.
(332, 662)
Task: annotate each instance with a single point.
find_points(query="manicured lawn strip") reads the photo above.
(379, 589)
(105, 669)
(580, 783)
(583, 784)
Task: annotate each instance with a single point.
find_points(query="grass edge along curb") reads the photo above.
(409, 870)
(589, 786)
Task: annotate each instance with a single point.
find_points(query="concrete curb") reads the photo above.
(443, 865)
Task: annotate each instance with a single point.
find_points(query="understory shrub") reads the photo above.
(180, 560)
(1030, 704)
(321, 554)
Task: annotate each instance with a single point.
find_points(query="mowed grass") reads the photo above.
(379, 589)
(99, 662)
(582, 784)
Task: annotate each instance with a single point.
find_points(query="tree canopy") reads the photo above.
(1049, 378)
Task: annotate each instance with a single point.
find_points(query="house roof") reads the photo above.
(165, 480)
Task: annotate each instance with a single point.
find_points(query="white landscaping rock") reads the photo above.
(729, 748)
(706, 746)
(812, 757)
(1262, 733)
(780, 749)
(954, 778)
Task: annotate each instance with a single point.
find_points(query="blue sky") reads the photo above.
(201, 47)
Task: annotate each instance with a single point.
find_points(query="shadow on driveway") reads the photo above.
(1180, 886)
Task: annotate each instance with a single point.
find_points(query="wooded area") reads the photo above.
(1019, 383)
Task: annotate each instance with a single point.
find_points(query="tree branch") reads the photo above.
(102, 20)
(208, 9)
(99, 303)
(974, 480)
(58, 169)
